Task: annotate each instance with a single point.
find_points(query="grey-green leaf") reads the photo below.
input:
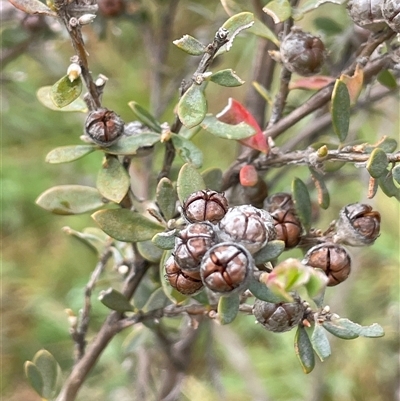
(227, 78)
(34, 376)
(113, 181)
(115, 300)
(64, 92)
(278, 10)
(322, 190)
(65, 154)
(70, 199)
(189, 181)
(339, 330)
(302, 202)
(126, 225)
(387, 79)
(340, 110)
(44, 96)
(304, 350)
(227, 131)
(346, 329)
(396, 173)
(49, 370)
(388, 187)
(261, 291)
(187, 150)
(235, 24)
(128, 145)
(377, 163)
(228, 308)
(213, 178)
(165, 240)
(90, 236)
(260, 29)
(269, 252)
(166, 198)
(145, 117)
(320, 342)
(157, 300)
(192, 106)
(190, 45)
(149, 251)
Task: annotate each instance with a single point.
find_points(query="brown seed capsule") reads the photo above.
(333, 259)
(280, 317)
(288, 227)
(111, 8)
(205, 205)
(187, 283)
(302, 52)
(367, 14)
(104, 127)
(226, 267)
(358, 225)
(391, 14)
(247, 226)
(192, 243)
(279, 201)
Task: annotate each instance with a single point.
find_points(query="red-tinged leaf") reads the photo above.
(311, 83)
(235, 113)
(33, 7)
(248, 176)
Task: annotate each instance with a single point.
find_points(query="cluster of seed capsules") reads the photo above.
(217, 246)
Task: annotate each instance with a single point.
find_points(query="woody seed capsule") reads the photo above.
(205, 205)
(226, 267)
(279, 317)
(367, 14)
(187, 283)
(191, 245)
(358, 225)
(391, 14)
(333, 259)
(279, 201)
(288, 227)
(247, 226)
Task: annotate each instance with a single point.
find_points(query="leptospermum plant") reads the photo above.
(211, 244)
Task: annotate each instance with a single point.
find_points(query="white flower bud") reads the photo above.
(86, 19)
(74, 71)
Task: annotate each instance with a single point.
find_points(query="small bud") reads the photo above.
(104, 127)
(247, 226)
(358, 225)
(322, 152)
(187, 283)
(279, 317)
(205, 205)
(192, 243)
(248, 176)
(367, 14)
(332, 259)
(74, 71)
(86, 19)
(302, 52)
(226, 267)
(288, 227)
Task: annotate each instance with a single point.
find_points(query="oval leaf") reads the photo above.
(64, 92)
(165, 240)
(228, 308)
(49, 370)
(115, 300)
(340, 110)
(260, 29)
(145, 117)
(44, 96)
(192, 106)
(386, 78)
(113, 181)
(338, 330)
(70, 199)
(157, 300)
(387, 185)
(213, 178)
(128, 145)
(302, 201)
(125, 225)
(262, 292)
(270, 251)
(190, 45)
(166, 198)
(33, 7)
(236, 24)
(322, 190)
(227, 78)
(91, 236)
(34, 376)
(377, 163)
(150, 251)
(189, 181)
(227, 131)
(304, 350)
(396, 173)
(65, 154)
(189, 152)
(320, 342)
(346, 329)
(278, 10)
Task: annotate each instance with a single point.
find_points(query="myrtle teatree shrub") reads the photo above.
(190, 247)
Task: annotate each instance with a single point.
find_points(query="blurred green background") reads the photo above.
(44, 271)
